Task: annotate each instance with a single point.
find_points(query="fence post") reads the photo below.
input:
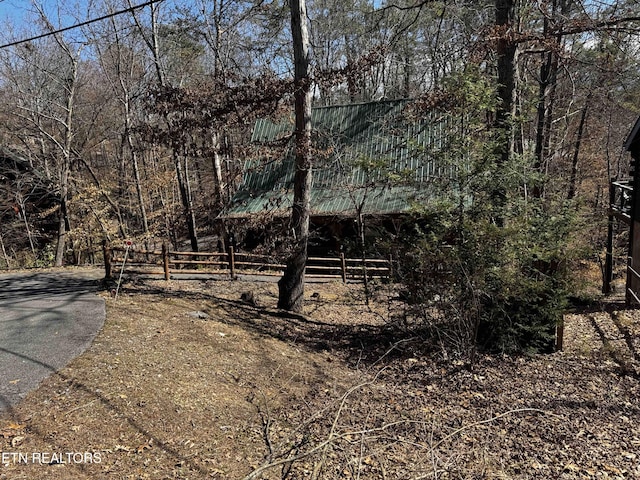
(559, 336)
(232, 262)
(106, 252)
(165, 261)
(608, 259)
(343, 267)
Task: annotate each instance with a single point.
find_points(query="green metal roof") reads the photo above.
(372, 154)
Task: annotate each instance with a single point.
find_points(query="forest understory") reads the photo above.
(188, 381)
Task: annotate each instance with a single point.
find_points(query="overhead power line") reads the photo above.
(81, 24)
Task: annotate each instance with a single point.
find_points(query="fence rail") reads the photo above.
(620, 200)
(620, 209)
(166, 262)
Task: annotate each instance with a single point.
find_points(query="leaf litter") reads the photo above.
(245, 391)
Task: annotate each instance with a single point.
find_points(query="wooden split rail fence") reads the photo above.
(166, 262)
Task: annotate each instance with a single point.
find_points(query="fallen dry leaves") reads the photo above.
(187, 381)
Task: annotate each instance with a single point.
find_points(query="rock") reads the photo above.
(248, 298)
(198, 314)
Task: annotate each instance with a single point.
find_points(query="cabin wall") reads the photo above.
(633, 270)
(633, 278)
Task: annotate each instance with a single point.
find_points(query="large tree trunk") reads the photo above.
(291, 285)
(506, 53)
(505, 21)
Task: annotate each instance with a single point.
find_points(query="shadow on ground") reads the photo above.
(357, 342)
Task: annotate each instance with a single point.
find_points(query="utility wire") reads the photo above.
(81, 24)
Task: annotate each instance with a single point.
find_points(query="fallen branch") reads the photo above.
(489, 420)
(335, 437)
(80, 407)
(323, 445)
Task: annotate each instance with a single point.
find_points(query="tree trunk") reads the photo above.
(23, 209)
(506, 51)
(573, 181)
(217, 171)
(182, 174)
(4, 252)
(62, 218)
(505, 20)
(65, 167)
(546, 101)
(140, 194)
(363, 254)
(134, 162)
(152, 42)
(291, 285)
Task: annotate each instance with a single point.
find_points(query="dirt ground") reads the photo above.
(188, 381)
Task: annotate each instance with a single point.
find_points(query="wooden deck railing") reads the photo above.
(166, 262)
(620, 200)
(620, 209)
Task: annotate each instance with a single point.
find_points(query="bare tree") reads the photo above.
(152, 39)
(45, 80)
(291, 285)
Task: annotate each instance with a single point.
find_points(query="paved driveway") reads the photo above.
(46, 319)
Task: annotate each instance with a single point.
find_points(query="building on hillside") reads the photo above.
(625, 205)
(379, 160)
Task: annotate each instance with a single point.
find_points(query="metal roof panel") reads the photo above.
(357, 149)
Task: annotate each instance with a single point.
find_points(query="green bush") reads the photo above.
(486, 266)
(473, 284)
